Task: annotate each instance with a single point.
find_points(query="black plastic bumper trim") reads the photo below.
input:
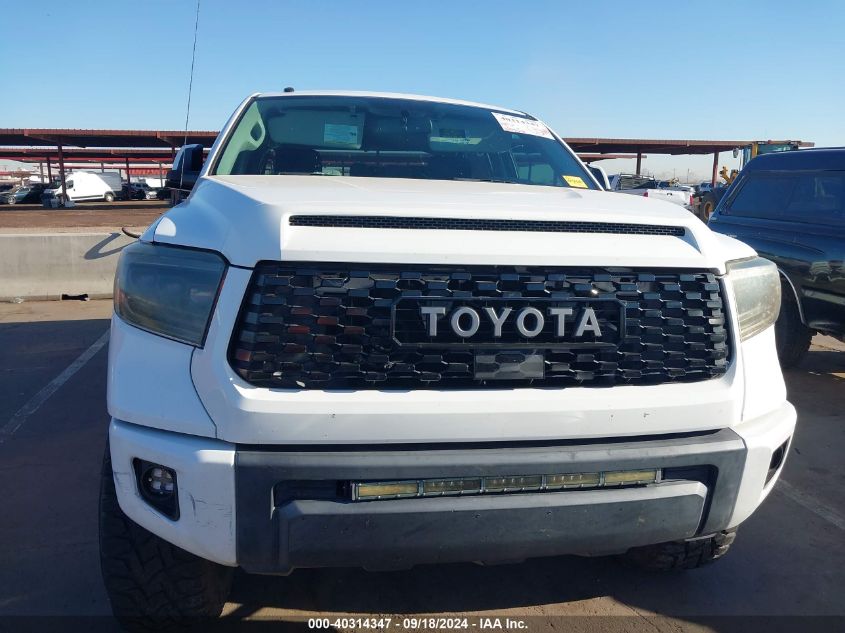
(315, 532)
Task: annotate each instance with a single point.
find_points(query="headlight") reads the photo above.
(168, 290)
(756, 288)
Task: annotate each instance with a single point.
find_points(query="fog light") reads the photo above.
(159, 480)
(157, 486)
(513, 484)
(628, 477)
(391, 490)
(573, 480)
(451, 486)
(501, 485)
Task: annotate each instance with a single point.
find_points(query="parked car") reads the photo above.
(87, 185)
(651, 188)
(620, 182)
(790, 207)
(163, 193)
(147, 192)
(132, 191)
(601, 175)
(24, 194)
(457, 348)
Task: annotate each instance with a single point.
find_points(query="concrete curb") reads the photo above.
(37, 266)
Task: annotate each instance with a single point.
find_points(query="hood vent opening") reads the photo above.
(480, 224)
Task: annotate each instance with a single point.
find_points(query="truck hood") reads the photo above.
(247, 219)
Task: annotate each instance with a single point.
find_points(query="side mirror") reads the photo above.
(186, 168)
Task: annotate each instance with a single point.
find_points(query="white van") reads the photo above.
(86, 185)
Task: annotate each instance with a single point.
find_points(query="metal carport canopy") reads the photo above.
(654, 146)
(52, 137)
(158, 139)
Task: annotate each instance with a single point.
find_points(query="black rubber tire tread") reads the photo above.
(677, 555)
(153, 585)
(792, 337)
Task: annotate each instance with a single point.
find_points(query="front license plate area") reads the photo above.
(509, 365)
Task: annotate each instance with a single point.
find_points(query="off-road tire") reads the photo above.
(676, 555)
(792, 338)
(109, 197)
(153, 585)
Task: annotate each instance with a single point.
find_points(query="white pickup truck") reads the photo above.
(651, 188)
(386, 330)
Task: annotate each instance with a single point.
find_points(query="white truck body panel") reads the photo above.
(674, 196)
(248, 222)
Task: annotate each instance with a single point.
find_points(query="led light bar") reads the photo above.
(371, 491)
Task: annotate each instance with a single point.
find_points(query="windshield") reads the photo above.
(806, 196)
(395, 138)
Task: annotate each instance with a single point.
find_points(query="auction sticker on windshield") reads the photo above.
(575, 181)
(520, 125)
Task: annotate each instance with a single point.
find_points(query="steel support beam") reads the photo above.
(62, 174)
(639, 162)
(715, 168)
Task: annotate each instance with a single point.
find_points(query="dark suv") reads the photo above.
(24, 193)
(790, 207)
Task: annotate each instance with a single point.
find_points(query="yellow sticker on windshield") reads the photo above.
(575, 181)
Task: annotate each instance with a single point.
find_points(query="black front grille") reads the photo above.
(481, 224)
(328, 326)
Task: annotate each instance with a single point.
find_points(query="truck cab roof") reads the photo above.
(385, 95)
(820, 158)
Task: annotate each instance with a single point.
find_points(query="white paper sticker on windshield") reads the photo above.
(339, 134)
(520, 125)
(455, 140)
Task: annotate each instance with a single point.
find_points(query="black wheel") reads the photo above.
(676, 555)
(109, 197)
(791, 336)
(153, 585)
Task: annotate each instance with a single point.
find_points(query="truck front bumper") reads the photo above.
(273, 509)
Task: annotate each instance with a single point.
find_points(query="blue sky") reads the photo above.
(616, 69)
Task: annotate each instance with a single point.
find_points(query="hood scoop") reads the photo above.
(480, 224)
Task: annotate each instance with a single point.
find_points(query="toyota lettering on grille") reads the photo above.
(508, 323)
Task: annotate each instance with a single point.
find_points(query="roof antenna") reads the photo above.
(190, 88)
(288, 89)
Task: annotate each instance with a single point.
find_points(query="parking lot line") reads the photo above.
(32, 405)
(810, 503)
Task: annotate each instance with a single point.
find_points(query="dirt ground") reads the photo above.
(29, 218)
